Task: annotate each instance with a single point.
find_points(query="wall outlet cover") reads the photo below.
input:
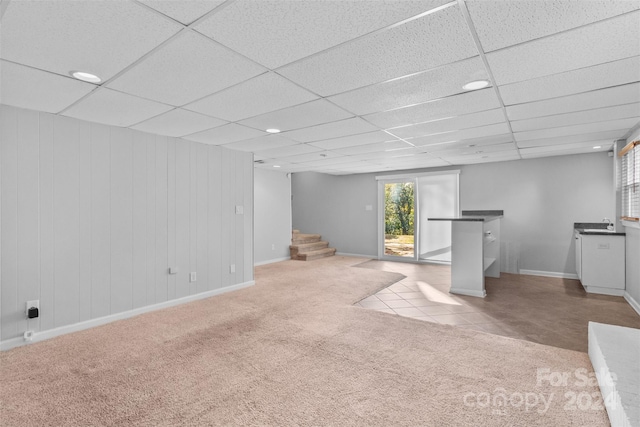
(193, 276)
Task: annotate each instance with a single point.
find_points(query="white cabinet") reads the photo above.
(600, 263)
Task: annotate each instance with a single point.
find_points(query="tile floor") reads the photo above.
(540, 309)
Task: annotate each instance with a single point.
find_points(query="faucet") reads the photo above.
(610, 226)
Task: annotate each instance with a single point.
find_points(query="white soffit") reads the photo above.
(65, 36)
(27, 87)
(609, 135)
(225, 134)
(428, 42)
(582, 47)
(425, 86)
(571, 82)
(115, 108)
(185, 69)
(336, 129)
(626, 94)
(178, 123)
(348, 141)
(274, 33)
(452, 106)
(300, 116)
(622, 125)
(184, 11)
(579, 117)
(450, 124)
(502, 23)
(261, 143)
(262, 94)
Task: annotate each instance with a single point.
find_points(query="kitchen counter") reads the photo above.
(481, 216)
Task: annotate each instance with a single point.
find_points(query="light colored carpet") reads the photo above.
(292, 350)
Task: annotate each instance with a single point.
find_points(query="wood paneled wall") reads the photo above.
(93, 216)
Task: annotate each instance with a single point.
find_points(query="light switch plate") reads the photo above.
(193, 276)
(232, 268)
(239, 210)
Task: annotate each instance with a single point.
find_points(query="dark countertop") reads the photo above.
(580, 227)
(479, 218)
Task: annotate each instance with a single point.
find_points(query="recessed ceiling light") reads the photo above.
(86, 77)
(276, 166)
(273, 130)
(596, 147)
(476, 84)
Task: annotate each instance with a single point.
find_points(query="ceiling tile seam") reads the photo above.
(563, 31)
(597, 120)
(443, 118)
(483, 57)
(167, 112)
(157, 12)
(212, 12)
(370, 33)
(455, 130)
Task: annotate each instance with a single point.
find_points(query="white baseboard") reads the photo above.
(76, 327)
(357, 255)
(469, 292)
(271, 261)
(632, 302)
(549, 274)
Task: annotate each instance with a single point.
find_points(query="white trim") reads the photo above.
(76, 327)
(417, 175)
(630, 224)
(632, 302)
(471, 293)
(271, 261)
(356, 255)
(549, 274)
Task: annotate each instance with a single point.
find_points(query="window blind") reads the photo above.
(630, 176)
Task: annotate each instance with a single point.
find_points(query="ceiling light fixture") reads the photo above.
(476, 84)
(276, 166)
(596, 147)
(273, 130)
(86, 77)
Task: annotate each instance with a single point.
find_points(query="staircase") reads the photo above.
(307, 247)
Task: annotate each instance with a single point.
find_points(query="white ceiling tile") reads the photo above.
(300, 116)
(381, 155)
(275, 33)
(329, 162)
(178, 122)
(337, 129)
(475, 151)
(451, 124)
(461, 135)
(565, 149)
(388, 146)
(349, 141)
(99, 37)
(588, 116)
(626, 94)
(292, 150)
(571, 82)
(452, 106)
(622, 125)
(27, 87)
(312, 157)
(184, 11)
(187, 68)
(262, 94)
(261, 143)
(428, 42)
(583, 47)
(570, 139)
(502, 23)
(115, 108)
(467, 143)
(502, 156)
(426, 86)
(225, 134)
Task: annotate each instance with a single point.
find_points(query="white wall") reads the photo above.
(272, 213)
(92, 217)
(542, 198)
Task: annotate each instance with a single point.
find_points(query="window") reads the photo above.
(630, 173)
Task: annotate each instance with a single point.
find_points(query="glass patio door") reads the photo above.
(399, 219)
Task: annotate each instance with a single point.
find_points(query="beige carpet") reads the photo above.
(292, 350)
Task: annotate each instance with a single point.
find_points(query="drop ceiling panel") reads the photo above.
(27, 87)
(178, 123)
(454, 123)
(395, 146)
(583, 137)
(262, 94)
(502, 23)
(426, 86)
(571, 82)
(274, 33)
(626, 94)
(115, 108)
(337, 129)
(184, 11)
(475, 151)
(467, 143)
(349, 141)
(300, 116)
(461, 135)
(565, 149)
(328, 162)
(622, 125)
(502, 156)
(261, 143)
(428, 42)
(65, 36)
(588, 116)
(583, 47)
(292, 150)
(382, 155)
(457, 105)
(185, 69)
(312, 157)
(225, 134)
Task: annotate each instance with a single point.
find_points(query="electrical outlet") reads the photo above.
(193, 276)
(232, 268)
(35, 304)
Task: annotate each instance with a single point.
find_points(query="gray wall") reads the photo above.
(272, 213)
(542, 198)
(92, 217)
